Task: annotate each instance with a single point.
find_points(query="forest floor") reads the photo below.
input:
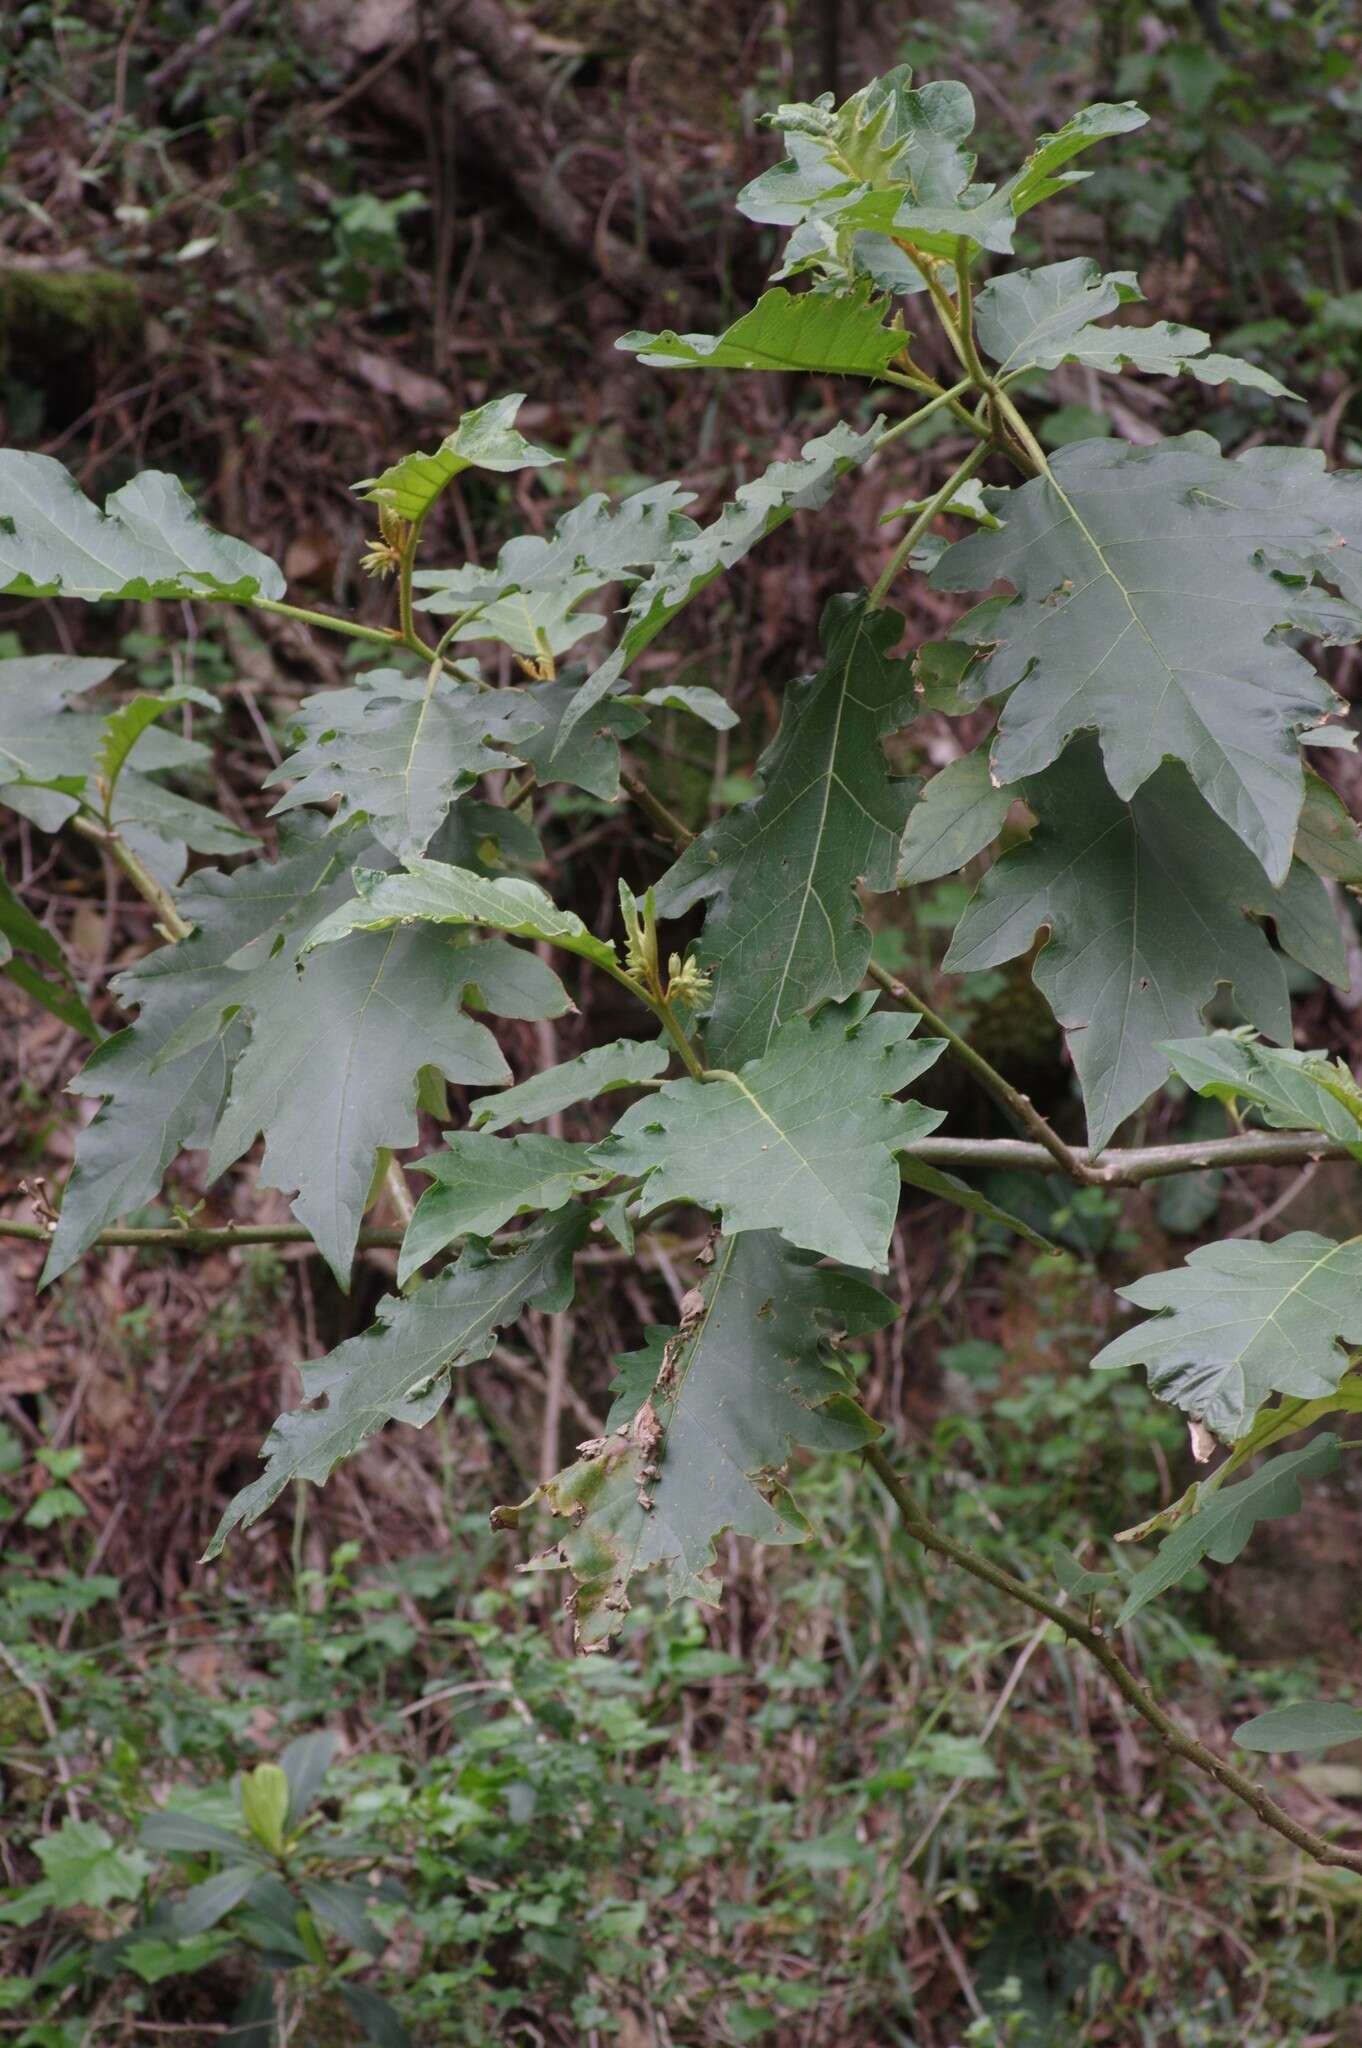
(271, 250)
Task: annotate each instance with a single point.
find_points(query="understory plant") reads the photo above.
(1136, 655)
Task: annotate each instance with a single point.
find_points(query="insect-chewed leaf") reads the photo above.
(801, 1140)
(693, 562)
(1221, 1527)
(398, 750)
(481, 1182)
(627, 1063)
(961, 811)
(1242, 1320)
(486, 438)
(844, 334)
(1149, 906)
(1146, 611)
(148, 542)
(399, 1370)
(784, 929)
(432, 892)
(1292, 1091)
(164, 1078)
(1038, 319)
(718, 1410)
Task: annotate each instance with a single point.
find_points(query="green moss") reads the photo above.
(51, 319)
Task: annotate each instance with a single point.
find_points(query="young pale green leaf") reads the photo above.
(399, 1370)
(1149, 907)
(398, 750)
(1292, 1091)
(481, 1182)
(802, 1140)
(627, 1063)
(164, 1079)
(784, 928)
(960, 812)
(987, 215)
(264, 1806)
(1145, 610)
(1038, 319)
(431, 892)
(331, 1072)
(892, 161)
(692, 563)
(1242, 1320)
(1305, 1725)
(716, 1411)
(485, 438)
(1224, 1521)
(148, 542)
(843, 334)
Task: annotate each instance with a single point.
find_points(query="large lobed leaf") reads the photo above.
(332, 1071)
(326, 1063)
(163, 1080)
(715, 1413)
(55, 753)
(1038, 319)
(148, 541)
(692, 562)
(1146, 611)
(1290, 1090)
(1243, 1320)
(399, 1370)
(398, 750)
(1149, 907)
(784, 929)
(802, 1140)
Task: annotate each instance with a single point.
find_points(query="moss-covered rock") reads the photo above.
(59, 328)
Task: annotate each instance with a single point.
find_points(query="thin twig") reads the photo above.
(1136, 1695)
(664, 822)
(1019, 1107)
(1119, 1169)
(177, 1238)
